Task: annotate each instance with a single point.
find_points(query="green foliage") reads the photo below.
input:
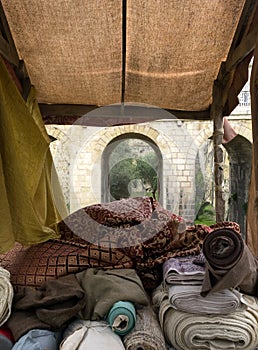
(206, 215)
(131, 170)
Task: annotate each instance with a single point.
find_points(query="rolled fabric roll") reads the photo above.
(229, 263)
(121, 317)
(85, 334)
(6, 295)
(223, 248)
(147, 333)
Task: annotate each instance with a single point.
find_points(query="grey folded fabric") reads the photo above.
(188, 299)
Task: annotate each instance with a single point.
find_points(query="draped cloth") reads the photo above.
(147, 334)
(50, 307)
(183, 330)
(28, 182)
(104, 288)
(229, 263)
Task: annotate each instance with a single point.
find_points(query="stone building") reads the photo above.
(185, 172)
(184, 150)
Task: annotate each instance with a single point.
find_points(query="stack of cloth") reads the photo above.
(209, 301)
(184, 277)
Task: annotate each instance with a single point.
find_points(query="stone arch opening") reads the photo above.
(240, 157)
(142, 159)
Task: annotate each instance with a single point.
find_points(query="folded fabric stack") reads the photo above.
(237, 330)
(203, 301)
(188, 299)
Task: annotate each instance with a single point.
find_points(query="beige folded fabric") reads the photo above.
(238, 330)
(6, 295)
(188, 298)
(147, 334)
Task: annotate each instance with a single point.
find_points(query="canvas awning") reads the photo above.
(85, 54)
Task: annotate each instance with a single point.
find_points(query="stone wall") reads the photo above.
(78, 157)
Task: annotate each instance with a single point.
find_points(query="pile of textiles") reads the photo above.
(108, 309)
(129, 233)
(113, 264)
(209, 301)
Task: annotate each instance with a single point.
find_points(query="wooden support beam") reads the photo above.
(239, 54)
(217, 117)
(69, 114)
(252, 209)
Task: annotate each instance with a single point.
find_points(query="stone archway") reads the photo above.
(129, 157)
(240, 157)
(86, 165)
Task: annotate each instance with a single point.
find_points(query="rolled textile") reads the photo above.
(238, 330)
(184, 270)
(147, 333)
(229, 263)
(223, 248)
(83, 334)
(121, 317)
(187, 298)
(6, 295)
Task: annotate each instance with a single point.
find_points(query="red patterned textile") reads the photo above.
(32, 266)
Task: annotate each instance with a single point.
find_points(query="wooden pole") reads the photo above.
(252, 209)
(217, 117)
